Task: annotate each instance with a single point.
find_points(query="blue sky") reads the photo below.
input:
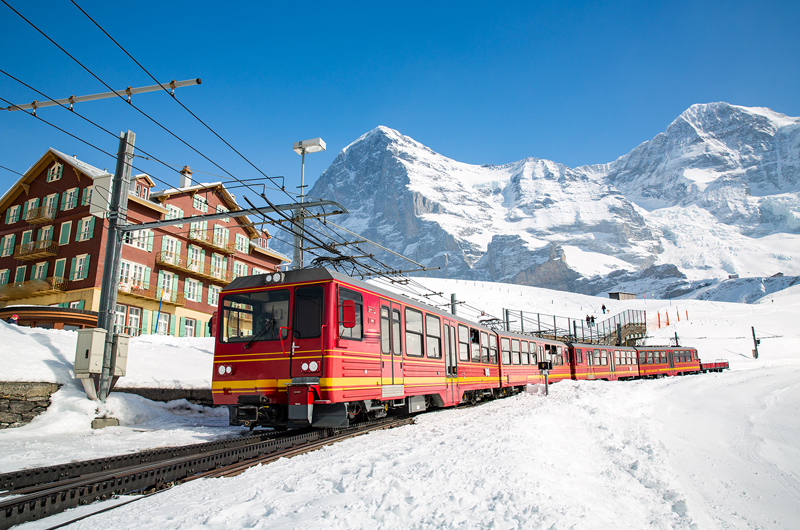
(483, 83)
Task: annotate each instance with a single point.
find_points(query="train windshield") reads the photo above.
(254, 316)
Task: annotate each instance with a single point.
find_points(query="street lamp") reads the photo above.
(314, 145)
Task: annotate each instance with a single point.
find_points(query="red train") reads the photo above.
(315, 347)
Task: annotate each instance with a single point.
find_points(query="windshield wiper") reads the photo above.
(269, 327)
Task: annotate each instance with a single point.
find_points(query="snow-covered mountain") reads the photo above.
(717, 193)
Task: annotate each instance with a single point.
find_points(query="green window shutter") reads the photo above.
(175, 284)
(72, 269)
(208, 297)
(56, 202)
(199, 292)
(172, 325)
(163, 243)
(186, 287)
(180, 214)
(44, 272)
(35, 203)
(63, 201)
(154, 325)
(41, 233)
(66, 228)
(8, 215)
(13, 240)
(147, 273)
(19, 275)
(224, 264)
(178, 248)
(81, 304)
(182, 327)
(86, 268)
(59, 271)
(145, 320)
(26, 237)
(83, 196)
(24, 209)
(160, 283)
(63, 304)
(150, 237)
(91, 227)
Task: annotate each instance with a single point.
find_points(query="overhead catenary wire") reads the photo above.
(309, 234)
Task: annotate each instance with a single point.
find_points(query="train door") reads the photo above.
(305, 342)
(671, 359)
(397, 344)
(391, 350)
(451, 362)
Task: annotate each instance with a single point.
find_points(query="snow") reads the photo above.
(706, 451)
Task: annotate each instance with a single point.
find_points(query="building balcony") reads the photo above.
(41, 215)
(173, 261)
(209, 239)
(36, 249)
(41, 287)
(139, 289)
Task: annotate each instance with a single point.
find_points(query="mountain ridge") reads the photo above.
(684, 198)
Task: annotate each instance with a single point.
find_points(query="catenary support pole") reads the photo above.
(453, 303)
(117, 215)
(756, 342)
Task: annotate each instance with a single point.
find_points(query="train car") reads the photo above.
(315, 347)
(600, 361)
(518, 361)
(660, 361)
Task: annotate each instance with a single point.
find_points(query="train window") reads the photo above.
(523, 350)
(475, 345)
(534, 359)
(679, 356)
(505, 350)
(493, 349)
(604, 357)
(433, 331)
(650, 357)
(356, 332)
(308, 313)
(463, 343)
(453, 347)
(578, 356)
(386, 338)
(597, 361)
(484, 347)
(515, 351)
(617, 360)
(589, 358)
(642, 357)
(566, 355)
(269, 310)
(447, 344)
(413, 332)
(398, 350)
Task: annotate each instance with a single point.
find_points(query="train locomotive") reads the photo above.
(314, 347)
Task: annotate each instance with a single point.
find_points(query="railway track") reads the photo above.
(34, 494)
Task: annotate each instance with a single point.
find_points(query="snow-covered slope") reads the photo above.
(717, 193)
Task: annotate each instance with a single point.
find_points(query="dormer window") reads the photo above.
(55, 172)
(141, 190)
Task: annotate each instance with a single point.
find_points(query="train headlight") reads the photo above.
(313, 366)
(304, 366)
(228, 370)
(221, 370)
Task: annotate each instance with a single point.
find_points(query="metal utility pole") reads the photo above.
(453, 303)
(117, 215)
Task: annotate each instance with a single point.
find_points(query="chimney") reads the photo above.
(186, 177)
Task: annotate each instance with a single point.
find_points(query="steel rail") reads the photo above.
(145, 476)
